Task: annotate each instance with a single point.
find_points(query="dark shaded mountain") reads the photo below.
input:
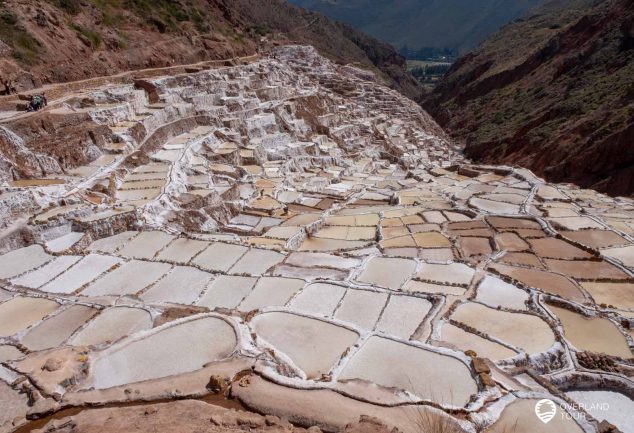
(553, 92)
(443, 24)
(43, 41)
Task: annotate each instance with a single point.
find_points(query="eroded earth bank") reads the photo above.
(280, 243)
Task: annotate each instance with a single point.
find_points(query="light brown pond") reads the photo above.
(593, 334)
(520, 330)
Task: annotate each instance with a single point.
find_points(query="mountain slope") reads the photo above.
(64, 40)
(452, 24)
(554, 93)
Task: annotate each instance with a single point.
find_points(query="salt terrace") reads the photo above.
(310, 241)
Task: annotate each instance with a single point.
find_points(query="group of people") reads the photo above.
(9, 87)
(37, 102)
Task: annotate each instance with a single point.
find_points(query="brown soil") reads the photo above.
(186, 416)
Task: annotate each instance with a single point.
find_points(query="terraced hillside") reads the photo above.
(50, 41)
(286, 236)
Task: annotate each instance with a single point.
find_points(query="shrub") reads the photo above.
(91, 35)
(73, 7)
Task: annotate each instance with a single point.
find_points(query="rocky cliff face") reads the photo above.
(64, 40)
(553, 92)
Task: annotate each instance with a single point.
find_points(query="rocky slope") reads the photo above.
(63, 40)
(553, 92)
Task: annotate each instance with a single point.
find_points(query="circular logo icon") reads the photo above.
(545, 410)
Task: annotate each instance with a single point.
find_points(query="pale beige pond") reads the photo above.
(313, 345)
(257, 262)
(145, 245)
(44, 274)
(427, 374)
(319, 299)
(495, 292)
(619, 407)
(219, 256)
(112, 324)
(519, 417)
(112, 243)
(621, 295)
(454, 273)
(431, 240)
(55, 330)
(271, 291)
(361, 307)
(464, 341)
(86, 270)
(182, 250)
(496, 207)
(172, 350)
(226, 291)
(387, 272)
(21, 312)
(511, 242)
(624, 255)
(127, 279)
(520, 330)
(403, 315)
(318, 244)
(16, 262)
(9, 353)
(183, 285)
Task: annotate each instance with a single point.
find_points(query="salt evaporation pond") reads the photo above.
(112, 324)
(611, 406)
(170, 351)
(313, 345)
(427, 374)
(520, 330)
(593, 334)
(519, 417)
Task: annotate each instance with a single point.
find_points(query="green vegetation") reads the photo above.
(25, 47)
(90, 35)
(260, 30)
(427, 71)
(201, 21)
(164, 15)
(73, 7)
